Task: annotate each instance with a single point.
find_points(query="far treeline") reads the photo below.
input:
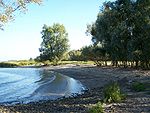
(121, 34)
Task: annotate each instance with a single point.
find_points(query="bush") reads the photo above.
(97, 109)
(112, 93)
(138, 86)
(7, 65)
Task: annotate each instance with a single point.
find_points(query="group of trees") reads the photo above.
(122, 33)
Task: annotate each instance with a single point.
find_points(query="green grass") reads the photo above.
(97, 109)
(69, 62)
(32, 62)
(112, 93)
(17, 63)
(76, 62)
(138, 86)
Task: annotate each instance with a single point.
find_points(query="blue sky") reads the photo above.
(21, 37)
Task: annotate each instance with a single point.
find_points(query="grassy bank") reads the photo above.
(16, 63)
(46, 63)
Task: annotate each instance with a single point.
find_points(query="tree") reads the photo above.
(96, 54)
(8, 7)
(54, 44)
(75, 55)
(122, 29)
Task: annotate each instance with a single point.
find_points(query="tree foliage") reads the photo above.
(96, 54)
(8, 7)
(122, 29)
(75, 55)
(54, 44)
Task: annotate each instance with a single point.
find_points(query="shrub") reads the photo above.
(46, 63)
(7, 65)
(112, 93)
(138, 86)
(97, 109)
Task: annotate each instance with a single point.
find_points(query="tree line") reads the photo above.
(120, 34)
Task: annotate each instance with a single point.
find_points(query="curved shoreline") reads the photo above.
(49, 85)
(94, 78)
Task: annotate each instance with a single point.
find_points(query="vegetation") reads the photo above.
(7, 8)
(54, 44)
(112, 93)
(75, 55)
(6, 64)
(122, 32)
(96, 54)
(97, 109)
(138, 86)
(45, 63)
(16, 63)
(77, 62)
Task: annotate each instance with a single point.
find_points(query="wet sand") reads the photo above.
(94, 78)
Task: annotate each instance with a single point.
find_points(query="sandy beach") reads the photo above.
(94, 79)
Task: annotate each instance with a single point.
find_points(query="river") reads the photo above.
(24, 85)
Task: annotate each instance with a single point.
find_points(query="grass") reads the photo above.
(141, 87)
(112, 93)
(138, 86)
(97, 109)
(76, 62)
(32, 62)
(69, 62)
(17, 63)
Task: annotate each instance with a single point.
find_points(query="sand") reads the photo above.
(94, 79)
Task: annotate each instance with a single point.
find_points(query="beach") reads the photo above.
(94, 79)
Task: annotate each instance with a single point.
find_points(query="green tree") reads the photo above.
(96, 54)
(8, 7)
(54, 44)
(75, 55)
(122, 29)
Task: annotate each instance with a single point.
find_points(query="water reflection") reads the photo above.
(31, 84)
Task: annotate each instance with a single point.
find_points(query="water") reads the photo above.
(24, 85)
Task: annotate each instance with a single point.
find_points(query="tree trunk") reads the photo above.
(136, 64)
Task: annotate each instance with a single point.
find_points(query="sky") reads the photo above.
(21, 37)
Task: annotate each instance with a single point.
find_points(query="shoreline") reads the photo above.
(94, 78)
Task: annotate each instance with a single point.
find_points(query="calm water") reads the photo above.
(23, 85)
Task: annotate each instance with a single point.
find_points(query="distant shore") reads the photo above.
(94, 78)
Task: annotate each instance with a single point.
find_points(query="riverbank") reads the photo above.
(94, 78)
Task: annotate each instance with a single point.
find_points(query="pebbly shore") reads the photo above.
(94, 79)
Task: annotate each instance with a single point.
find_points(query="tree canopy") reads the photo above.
(8, 7)
(54, 44)
(122, 29)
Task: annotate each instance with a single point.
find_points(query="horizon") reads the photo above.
(21, 38)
